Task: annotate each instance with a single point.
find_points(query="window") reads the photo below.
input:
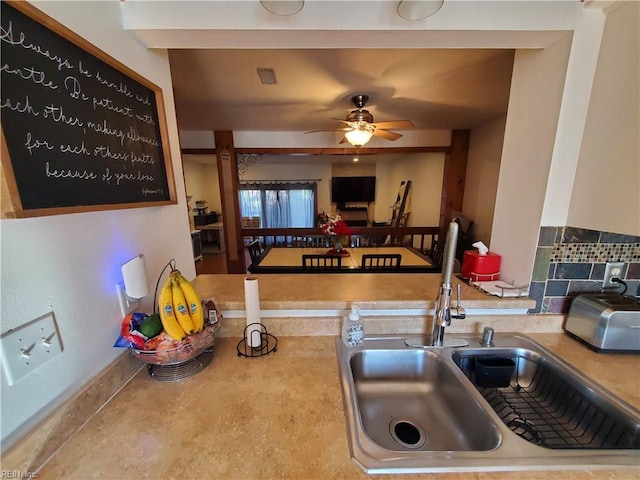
(279, 205)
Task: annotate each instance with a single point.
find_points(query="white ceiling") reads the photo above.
(450, 71)
(434, 88)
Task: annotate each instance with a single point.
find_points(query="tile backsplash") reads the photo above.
(571, 261)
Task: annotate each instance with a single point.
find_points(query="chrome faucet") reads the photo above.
(442, 316)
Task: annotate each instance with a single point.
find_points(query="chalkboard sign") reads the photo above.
(82, 131)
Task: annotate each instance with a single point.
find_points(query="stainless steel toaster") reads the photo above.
(606, 321)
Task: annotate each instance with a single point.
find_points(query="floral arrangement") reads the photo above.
(333, 226)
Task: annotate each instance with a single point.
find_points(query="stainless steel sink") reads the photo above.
(546, 403)
(513, 406)
(412, 400)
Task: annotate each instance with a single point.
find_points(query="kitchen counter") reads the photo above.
(313, 304)
(278, 416)
(338, 291)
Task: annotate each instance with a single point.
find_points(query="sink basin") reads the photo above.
(513, 406)
(546, 403)
(411, 400)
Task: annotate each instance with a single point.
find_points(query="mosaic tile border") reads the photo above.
(596, 252)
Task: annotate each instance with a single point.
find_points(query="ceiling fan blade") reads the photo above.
(385, 134)
(344, 140)
(346, 122)
(345, 129)
(395, 125)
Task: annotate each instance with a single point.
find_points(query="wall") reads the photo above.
(201, 180)
(69, 264)
(581, 67)
(425, 170)
(571, 261)
(606, 192)
(532, 118)
(483, 169)
(604, 212)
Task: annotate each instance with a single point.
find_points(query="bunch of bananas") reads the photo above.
(179, 306)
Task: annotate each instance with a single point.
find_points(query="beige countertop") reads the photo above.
(277, 416)
(338, 291)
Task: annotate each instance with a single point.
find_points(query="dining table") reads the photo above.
(277, 259)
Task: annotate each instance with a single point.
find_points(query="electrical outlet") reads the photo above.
(612, 270)
(127, 304)
(28, 347)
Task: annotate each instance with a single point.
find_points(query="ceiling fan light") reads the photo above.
(418, 9)
(283, 8)
(357, 137)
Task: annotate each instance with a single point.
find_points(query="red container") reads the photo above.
(480, 268)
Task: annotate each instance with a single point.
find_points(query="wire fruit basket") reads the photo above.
(185, 350)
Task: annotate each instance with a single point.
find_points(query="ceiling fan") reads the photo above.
(360, 127)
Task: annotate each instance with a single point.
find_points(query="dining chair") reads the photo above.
(255, 250)
(321, 262)
(381, 261)
(436, 252)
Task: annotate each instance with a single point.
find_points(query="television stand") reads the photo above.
(356, 216)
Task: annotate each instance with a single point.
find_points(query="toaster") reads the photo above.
(606, 321)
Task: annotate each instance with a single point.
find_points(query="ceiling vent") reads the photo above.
(267, 76)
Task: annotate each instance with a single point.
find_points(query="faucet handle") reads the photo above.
(460, 312)
(487, 337)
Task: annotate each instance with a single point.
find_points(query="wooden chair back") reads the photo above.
(381, 261)
(321, 262)
(436, 252)
(255, 250)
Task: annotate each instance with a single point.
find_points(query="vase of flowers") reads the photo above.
(337, 231)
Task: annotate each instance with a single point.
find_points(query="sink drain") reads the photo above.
(407, 433)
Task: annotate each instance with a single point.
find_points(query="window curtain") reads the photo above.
(277, 209)
(279, 205)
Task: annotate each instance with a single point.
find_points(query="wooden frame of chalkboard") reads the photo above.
(81, 131)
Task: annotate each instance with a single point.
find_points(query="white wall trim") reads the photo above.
(396, 312)
(583, 61)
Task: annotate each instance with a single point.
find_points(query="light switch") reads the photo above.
(29, 346)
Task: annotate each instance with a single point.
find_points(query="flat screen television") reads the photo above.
(353, 189)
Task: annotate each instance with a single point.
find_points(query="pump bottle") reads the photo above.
(353, 328)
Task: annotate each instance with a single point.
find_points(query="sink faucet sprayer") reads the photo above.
(442, 316)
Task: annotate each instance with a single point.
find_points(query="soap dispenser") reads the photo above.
(353, 328)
